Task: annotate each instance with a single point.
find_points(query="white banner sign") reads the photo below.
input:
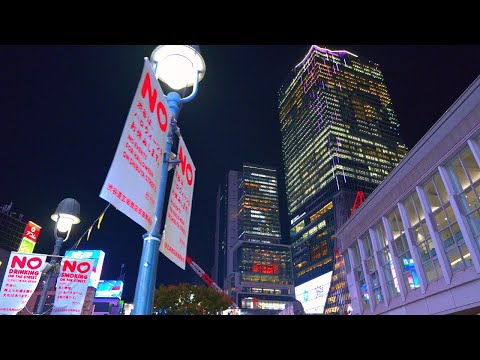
(132, 181)
(174, 242)
(72, 285)
(20, 281)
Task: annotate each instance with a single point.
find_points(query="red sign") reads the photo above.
(31, 231)
(20, 281)
(72, 286)
(265, 269)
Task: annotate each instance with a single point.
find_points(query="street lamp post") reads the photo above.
(179, 66)
(66, 215)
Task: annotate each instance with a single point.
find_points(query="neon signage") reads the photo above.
(265, 269)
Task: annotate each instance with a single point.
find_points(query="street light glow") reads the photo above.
(64, 223)
(66, 215)
(178, 65)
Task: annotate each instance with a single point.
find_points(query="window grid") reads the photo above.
(386, 261)
(372, 269)
(447, 226)
(464, 172)
(409, 274)
(364, 294)
(422, 240)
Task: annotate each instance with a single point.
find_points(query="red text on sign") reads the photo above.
(72, 266)
(152, 102)
(32, 262)
(187, 170)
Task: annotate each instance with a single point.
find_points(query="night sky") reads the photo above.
(63, 108)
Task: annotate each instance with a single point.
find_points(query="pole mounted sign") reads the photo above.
(174, 243)
(21, 278)
(72, 286)
(132, 181)
(29, 239)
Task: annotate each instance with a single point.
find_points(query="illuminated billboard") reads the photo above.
(313, 293)
(97, 255)
(29, 239)
(109, 289)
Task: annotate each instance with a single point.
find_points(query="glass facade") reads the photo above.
(340, 134)
(371, 269)
(464, 172)
(265, 264)
(338, 299)
(422, 238)
(402, 251)
(434, 214)
(446, 224)
(259, 218)
(385, 260)
(359, 274)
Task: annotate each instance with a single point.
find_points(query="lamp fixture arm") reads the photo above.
(194, 90)
(57, 238)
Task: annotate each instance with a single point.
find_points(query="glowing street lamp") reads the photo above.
(66, 215)
(179, 66)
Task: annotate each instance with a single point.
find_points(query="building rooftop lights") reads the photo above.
(324, 50)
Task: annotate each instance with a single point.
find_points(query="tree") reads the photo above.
(187, 299)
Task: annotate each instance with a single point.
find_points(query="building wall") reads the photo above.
(232, 217)
(413, 247)
(340, 135)
(4, 257)
(11, 232)
(219, 258)
(107, 306)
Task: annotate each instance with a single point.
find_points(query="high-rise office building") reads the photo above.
(340, 135)
(11, 231)
(11, 234)
(251, 262)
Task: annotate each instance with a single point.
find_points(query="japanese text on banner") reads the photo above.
(174, 243)
(132, 181)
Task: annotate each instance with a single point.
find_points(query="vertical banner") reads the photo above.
(20, 281)
(72, 286)
(29, 239)
(132, 181)
(174, 241)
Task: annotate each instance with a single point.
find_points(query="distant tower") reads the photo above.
(257, 265)
(340, 135)
(122, 273)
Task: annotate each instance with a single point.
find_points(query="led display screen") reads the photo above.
(313, 293)
(109, 288)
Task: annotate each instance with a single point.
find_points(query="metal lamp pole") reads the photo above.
(56, 252)
(146, 280)
(67, 214)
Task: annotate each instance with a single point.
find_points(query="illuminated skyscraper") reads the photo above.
(340, 135)
(250, 256)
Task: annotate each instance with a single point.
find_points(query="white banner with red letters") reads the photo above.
(72, 285)
(20, 281)
(132, 181)
(174, 241)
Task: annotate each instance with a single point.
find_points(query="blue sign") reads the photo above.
(109, 289)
